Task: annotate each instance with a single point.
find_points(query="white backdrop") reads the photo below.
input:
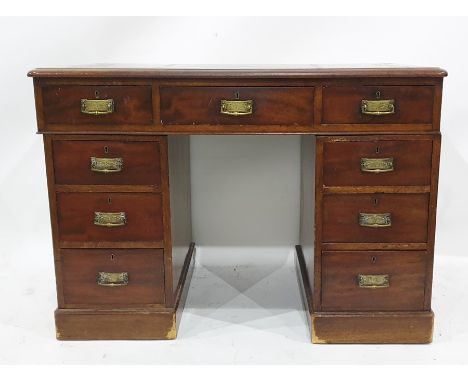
(230, 175)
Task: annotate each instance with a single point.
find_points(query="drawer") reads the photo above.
(187, 105)
(411, 104)
(69, 104)
(107, 162)
(109, 217)
(377, 280)
(105, 277)
(375, 218)
(377, 163)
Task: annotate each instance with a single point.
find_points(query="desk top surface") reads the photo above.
(250, 71)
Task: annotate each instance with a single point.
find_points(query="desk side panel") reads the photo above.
(307, 223)
(180, 202)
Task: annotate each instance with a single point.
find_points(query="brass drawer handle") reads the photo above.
(373, 281)
(106, 165)
(376, 165)
(236, 108)
(109, 279)
(375, 220)
(378, 107)
(110, 219)
(97, 106)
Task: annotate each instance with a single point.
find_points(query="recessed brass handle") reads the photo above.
(106, 165)
(110, 219)
(376, 165)
(373, 281)
(378, 107)
(110, 279)
(236, 108)
(375, 220)
(97, 106)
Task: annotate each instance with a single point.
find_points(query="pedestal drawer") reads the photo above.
(373, 281)
(112, 277)
(374, 104)
(375, 218)
(101, 219)
(377, 162)
(237, 105)
(107, 162)
(97, 104)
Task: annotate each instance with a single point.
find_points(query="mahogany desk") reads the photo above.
(117, 157)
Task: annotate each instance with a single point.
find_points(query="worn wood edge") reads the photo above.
(166, 219)
(383, 136)
(117, 324)
(373, 246)
(318, 204)
(143, 324)
(107, 188)
(372, 327)
(111, 244)
(96, 136)
(304, 283)
(219, 129)
(431, 229)
(51, 190)
(156, 131)
(304, 72)
(376, 189)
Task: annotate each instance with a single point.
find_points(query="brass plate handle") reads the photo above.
(110, 219)
(375, 220)
(106, 165)
(97, 106)
(378, 107)
(109, 279)
(376, 165)
(237, 108)
(373, 281)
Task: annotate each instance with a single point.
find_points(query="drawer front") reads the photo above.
(378, 281)
(130, 104)
(107, 162)
(343, 104)
(105, 277)
(375, 218)
(269, 105)
(141, 220)
(377, 163)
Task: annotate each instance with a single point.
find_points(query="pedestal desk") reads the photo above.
(118, 172)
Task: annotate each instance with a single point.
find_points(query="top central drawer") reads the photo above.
(188, 105)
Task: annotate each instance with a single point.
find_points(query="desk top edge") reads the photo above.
(173, 71)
